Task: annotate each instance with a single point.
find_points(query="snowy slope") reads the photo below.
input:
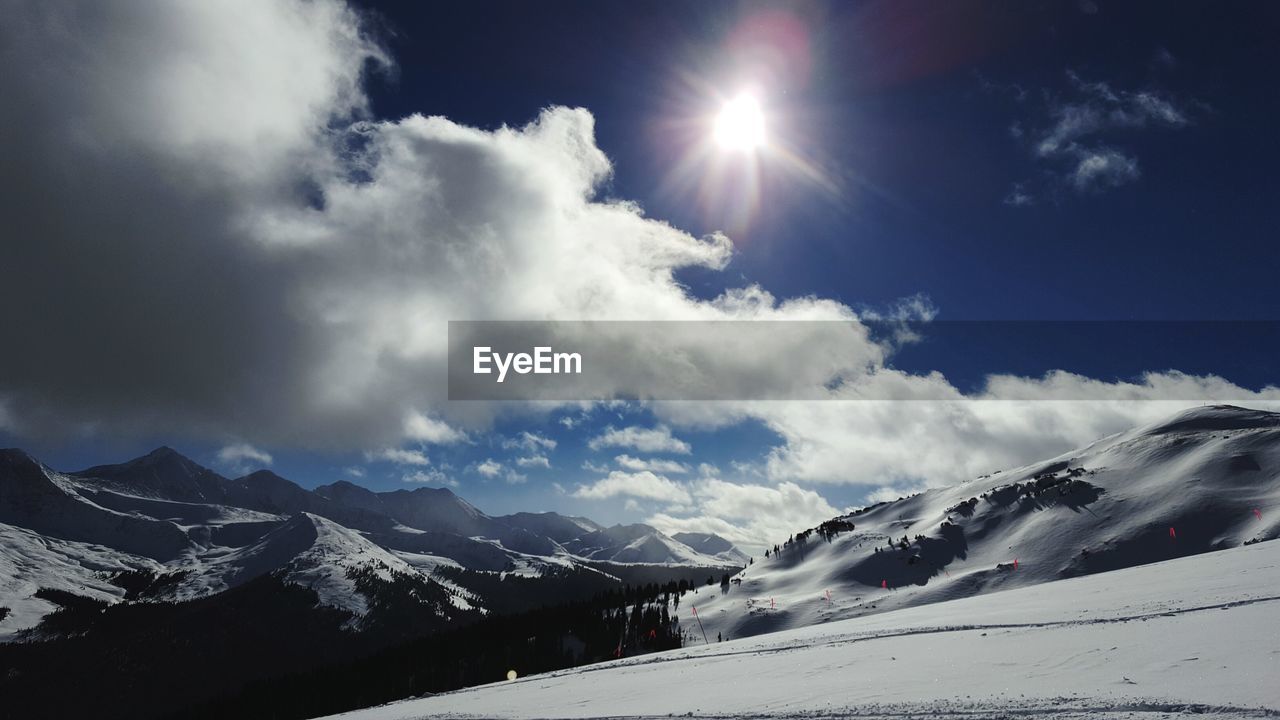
(36, 498)
(713, 545)
(1188, 637)
(639, 543)
(309, 551)
(30, 561)
(1111, 505)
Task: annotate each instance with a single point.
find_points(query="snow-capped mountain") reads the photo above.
(162, 527)
(639, 543)
(713, 545)
(1206, 479)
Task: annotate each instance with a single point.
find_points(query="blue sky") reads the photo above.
(259, 254)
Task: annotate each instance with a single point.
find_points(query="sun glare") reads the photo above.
(740, 124)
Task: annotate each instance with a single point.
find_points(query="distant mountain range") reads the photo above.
(162, 527)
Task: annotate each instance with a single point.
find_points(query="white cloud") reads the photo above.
(931, 434)
(889, 493)
(242, 456)
(668, 467)
(354, 471)
(1103, 168)
(428, 477)
(752, 516)
(1076, 139)
(1018, 197)
(489, 468)
(429, 430)
(533, 461)
(225, 144)
(594, 467)
(644, 484)
(529, 441)
(649, 440)
(399, 456)
(515, 478)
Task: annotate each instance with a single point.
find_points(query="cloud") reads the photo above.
(489, 468)
(223, 168)
(669, 467)
(429, 430)
(201, 197)
(645, 485)
(533, 461)
(649, 440)
(752, 516)
(1103, 168)
(594, 467)
(889, 493)
(241, 456)
(1077, 133)
(354, 471)
(529, 441)
(428, 477)
(514, 478)
(932, 434)
(1018, 197)
(398, 456)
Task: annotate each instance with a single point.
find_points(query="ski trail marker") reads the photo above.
(704, 630)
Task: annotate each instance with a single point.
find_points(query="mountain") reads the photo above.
(268, 492)
(161, 528)
(558, 527)
(161, 474)
(1206, 479)
(638, 543)
(345, 570)
(36, 498)
(439, 510)
(713, 545)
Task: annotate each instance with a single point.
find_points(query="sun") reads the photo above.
(740, 124)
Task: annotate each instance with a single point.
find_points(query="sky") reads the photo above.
(240, 229)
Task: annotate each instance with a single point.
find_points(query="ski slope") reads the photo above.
(1192, 636)
(1203, 480)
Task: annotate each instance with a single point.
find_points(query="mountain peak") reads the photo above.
(263, 476)
(12, 456)
(162, 473)
(1209, 418)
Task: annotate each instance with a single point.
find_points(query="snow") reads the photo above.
(1189, 636)
(29, 561)
(639, 544)
(1203, 473)
(309, 551)
(166, 514)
